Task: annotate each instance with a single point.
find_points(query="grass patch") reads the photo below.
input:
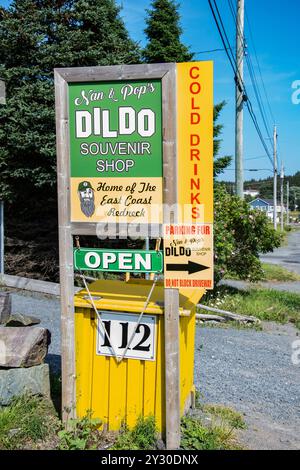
(217, 433)
(211, 427)
(228, 415)
(27, 421)
(31, 423)
(265, 304)
(272, 272)
(142, 437)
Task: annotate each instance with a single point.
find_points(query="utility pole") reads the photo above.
(239, 96)
(275, 178)
(288, 203)
(281, 197)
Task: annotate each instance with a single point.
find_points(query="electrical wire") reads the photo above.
(259, 68)
(252, 74)
(210, 51)
(220, 26)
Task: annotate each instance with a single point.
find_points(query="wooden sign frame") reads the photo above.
(67, 229)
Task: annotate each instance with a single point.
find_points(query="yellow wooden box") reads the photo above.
(119, 393)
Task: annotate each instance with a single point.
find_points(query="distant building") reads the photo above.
(251, 192)
(267, 206)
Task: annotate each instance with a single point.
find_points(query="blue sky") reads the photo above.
(275, 30)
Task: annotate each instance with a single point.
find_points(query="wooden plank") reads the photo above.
(84, 337)
(117, 393)
(65, 251)
(34, 285)
(134, 391)
(95, 229)
(113, 72)
(171, 296)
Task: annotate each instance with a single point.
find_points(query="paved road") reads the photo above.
(248, 370)
(287, 256)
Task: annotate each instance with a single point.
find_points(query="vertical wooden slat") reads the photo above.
(171, 296)
(65, 250)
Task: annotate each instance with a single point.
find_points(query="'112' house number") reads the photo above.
(120, 327)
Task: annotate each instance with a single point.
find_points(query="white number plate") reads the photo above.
(120, 327)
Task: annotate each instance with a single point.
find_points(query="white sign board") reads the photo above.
(120, 327)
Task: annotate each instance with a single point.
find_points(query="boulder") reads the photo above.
(23, 346)
(5, 307)
(18, 319)
(16, 382)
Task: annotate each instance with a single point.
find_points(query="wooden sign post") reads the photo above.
(119, 148)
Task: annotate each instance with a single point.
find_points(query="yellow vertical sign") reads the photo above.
(188, 245)
(195, 141)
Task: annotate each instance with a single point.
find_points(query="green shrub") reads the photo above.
(241, 234)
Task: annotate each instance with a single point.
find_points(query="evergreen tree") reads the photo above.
(220, 163)
(163, 32)
(35, 37)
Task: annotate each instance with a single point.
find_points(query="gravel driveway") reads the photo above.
(246, 369)
(252, 371)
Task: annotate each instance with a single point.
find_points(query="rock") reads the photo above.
(16, 382)
(160, 445)
(24, 346)
(18, 319)
(5, 307)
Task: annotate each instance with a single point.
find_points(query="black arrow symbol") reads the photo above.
(191, 267)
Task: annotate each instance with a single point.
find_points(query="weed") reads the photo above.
(232, 417)
(142, 437)
(196, 436)
(80, 434)
(218, 434)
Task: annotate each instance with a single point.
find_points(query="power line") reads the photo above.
(252, 74)
(259, 68)
(238, 80)
(226, 46)
(257, 94)
(256, 158)
(210, 51)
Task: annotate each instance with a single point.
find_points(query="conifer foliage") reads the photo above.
(163, 32)
(37, 36)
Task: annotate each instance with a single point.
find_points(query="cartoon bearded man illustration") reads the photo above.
(87, 198)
